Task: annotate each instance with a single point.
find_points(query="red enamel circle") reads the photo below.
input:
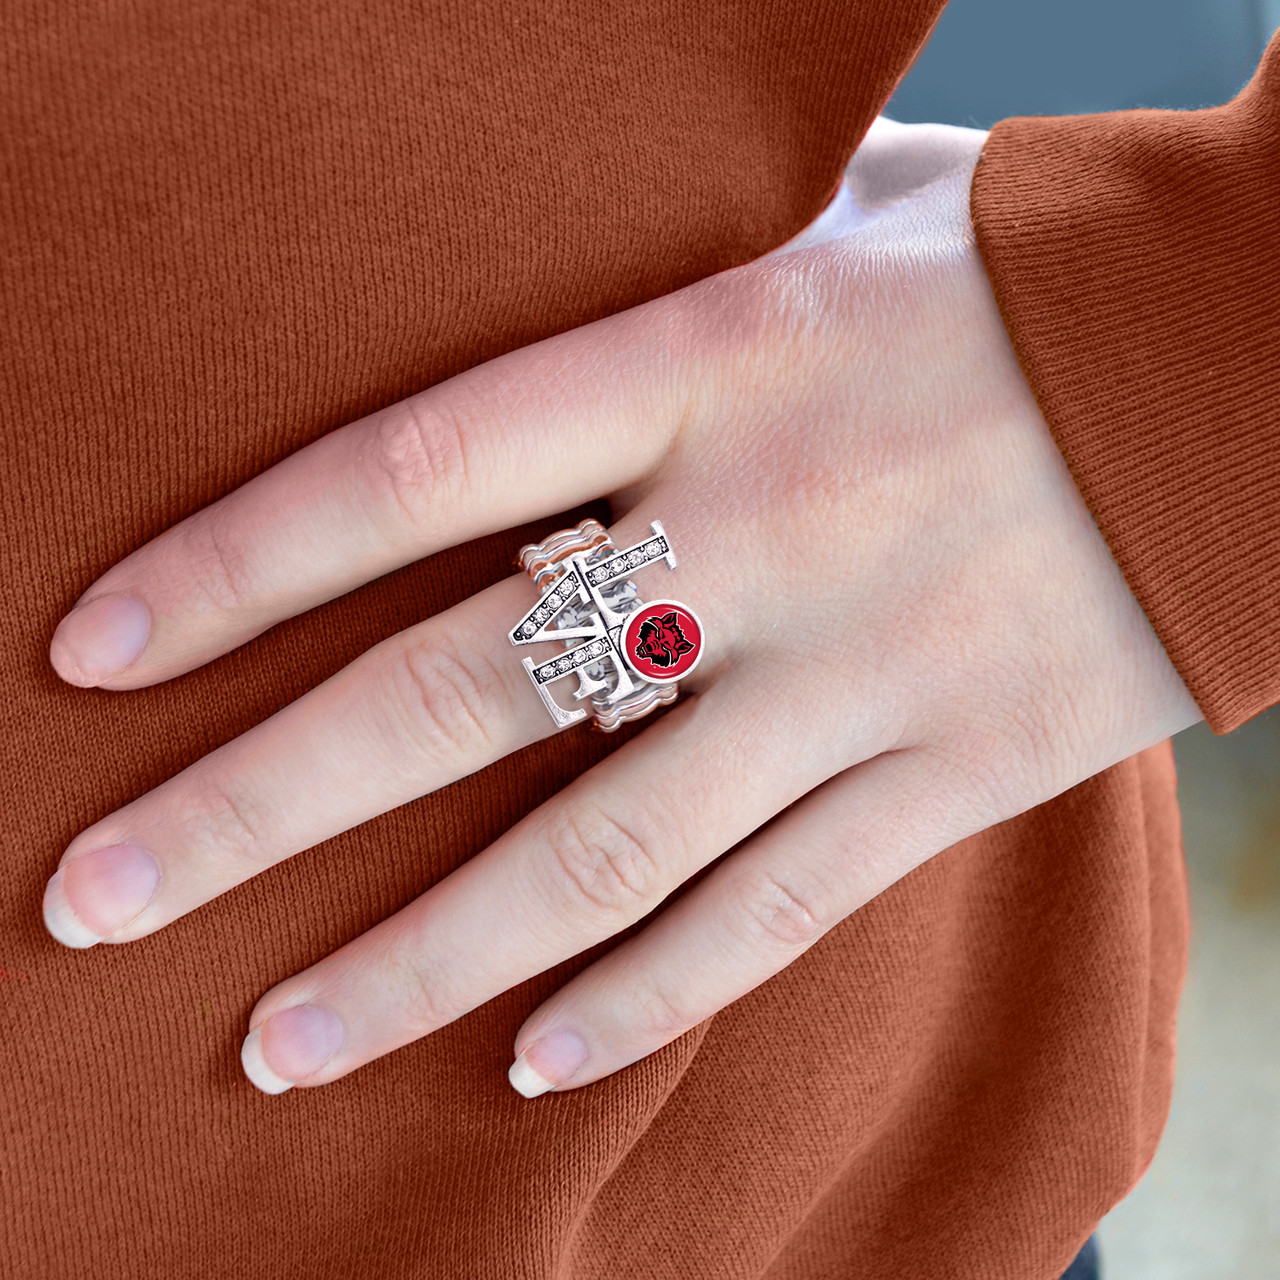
(662, 641)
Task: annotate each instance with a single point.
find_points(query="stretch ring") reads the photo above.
(586, 588)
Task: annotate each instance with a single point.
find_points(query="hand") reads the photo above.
(914, 631)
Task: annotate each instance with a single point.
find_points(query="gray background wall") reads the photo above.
(994, 58)
(1209, 1206)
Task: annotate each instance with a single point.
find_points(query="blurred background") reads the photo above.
(1209, 1206)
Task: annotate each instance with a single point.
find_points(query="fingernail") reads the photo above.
(547, 1063)
(61, 921)
(90, 898)
(97, 640)
(293, 1044)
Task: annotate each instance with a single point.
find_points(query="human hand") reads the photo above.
(914, 631)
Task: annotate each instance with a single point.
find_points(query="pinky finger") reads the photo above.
(818, 862)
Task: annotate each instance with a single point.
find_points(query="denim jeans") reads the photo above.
(1085, 1264)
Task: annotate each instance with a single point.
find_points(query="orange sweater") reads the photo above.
(232, 227)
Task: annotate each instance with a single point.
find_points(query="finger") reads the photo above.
(531, 433)
(596, 858)
(418, 711)
(755, 914)
(415, 713)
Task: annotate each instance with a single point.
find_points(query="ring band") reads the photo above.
(629, 656)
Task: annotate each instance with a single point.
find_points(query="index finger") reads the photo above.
(534, 432)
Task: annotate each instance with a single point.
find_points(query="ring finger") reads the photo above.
(824, 858)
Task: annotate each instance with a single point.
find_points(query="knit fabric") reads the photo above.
(233, 227)
(1135, 257)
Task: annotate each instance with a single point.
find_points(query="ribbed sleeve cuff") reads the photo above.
(1135, 259)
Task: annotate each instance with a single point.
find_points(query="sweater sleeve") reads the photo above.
(1135, 259)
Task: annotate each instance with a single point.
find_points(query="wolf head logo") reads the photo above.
(661, 640)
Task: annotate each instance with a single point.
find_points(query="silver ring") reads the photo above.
(629, 656)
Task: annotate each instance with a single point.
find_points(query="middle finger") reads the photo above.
(418, 711)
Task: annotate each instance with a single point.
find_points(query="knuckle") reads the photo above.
(597, 863)
(418, 454)
(223, 821)
(424, 1003)
(789, 916)
(661, 1015)
(446, 700)
(218, 568)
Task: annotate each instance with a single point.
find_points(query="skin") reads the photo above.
(915, 631)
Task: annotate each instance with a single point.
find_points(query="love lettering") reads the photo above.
(665, 636)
